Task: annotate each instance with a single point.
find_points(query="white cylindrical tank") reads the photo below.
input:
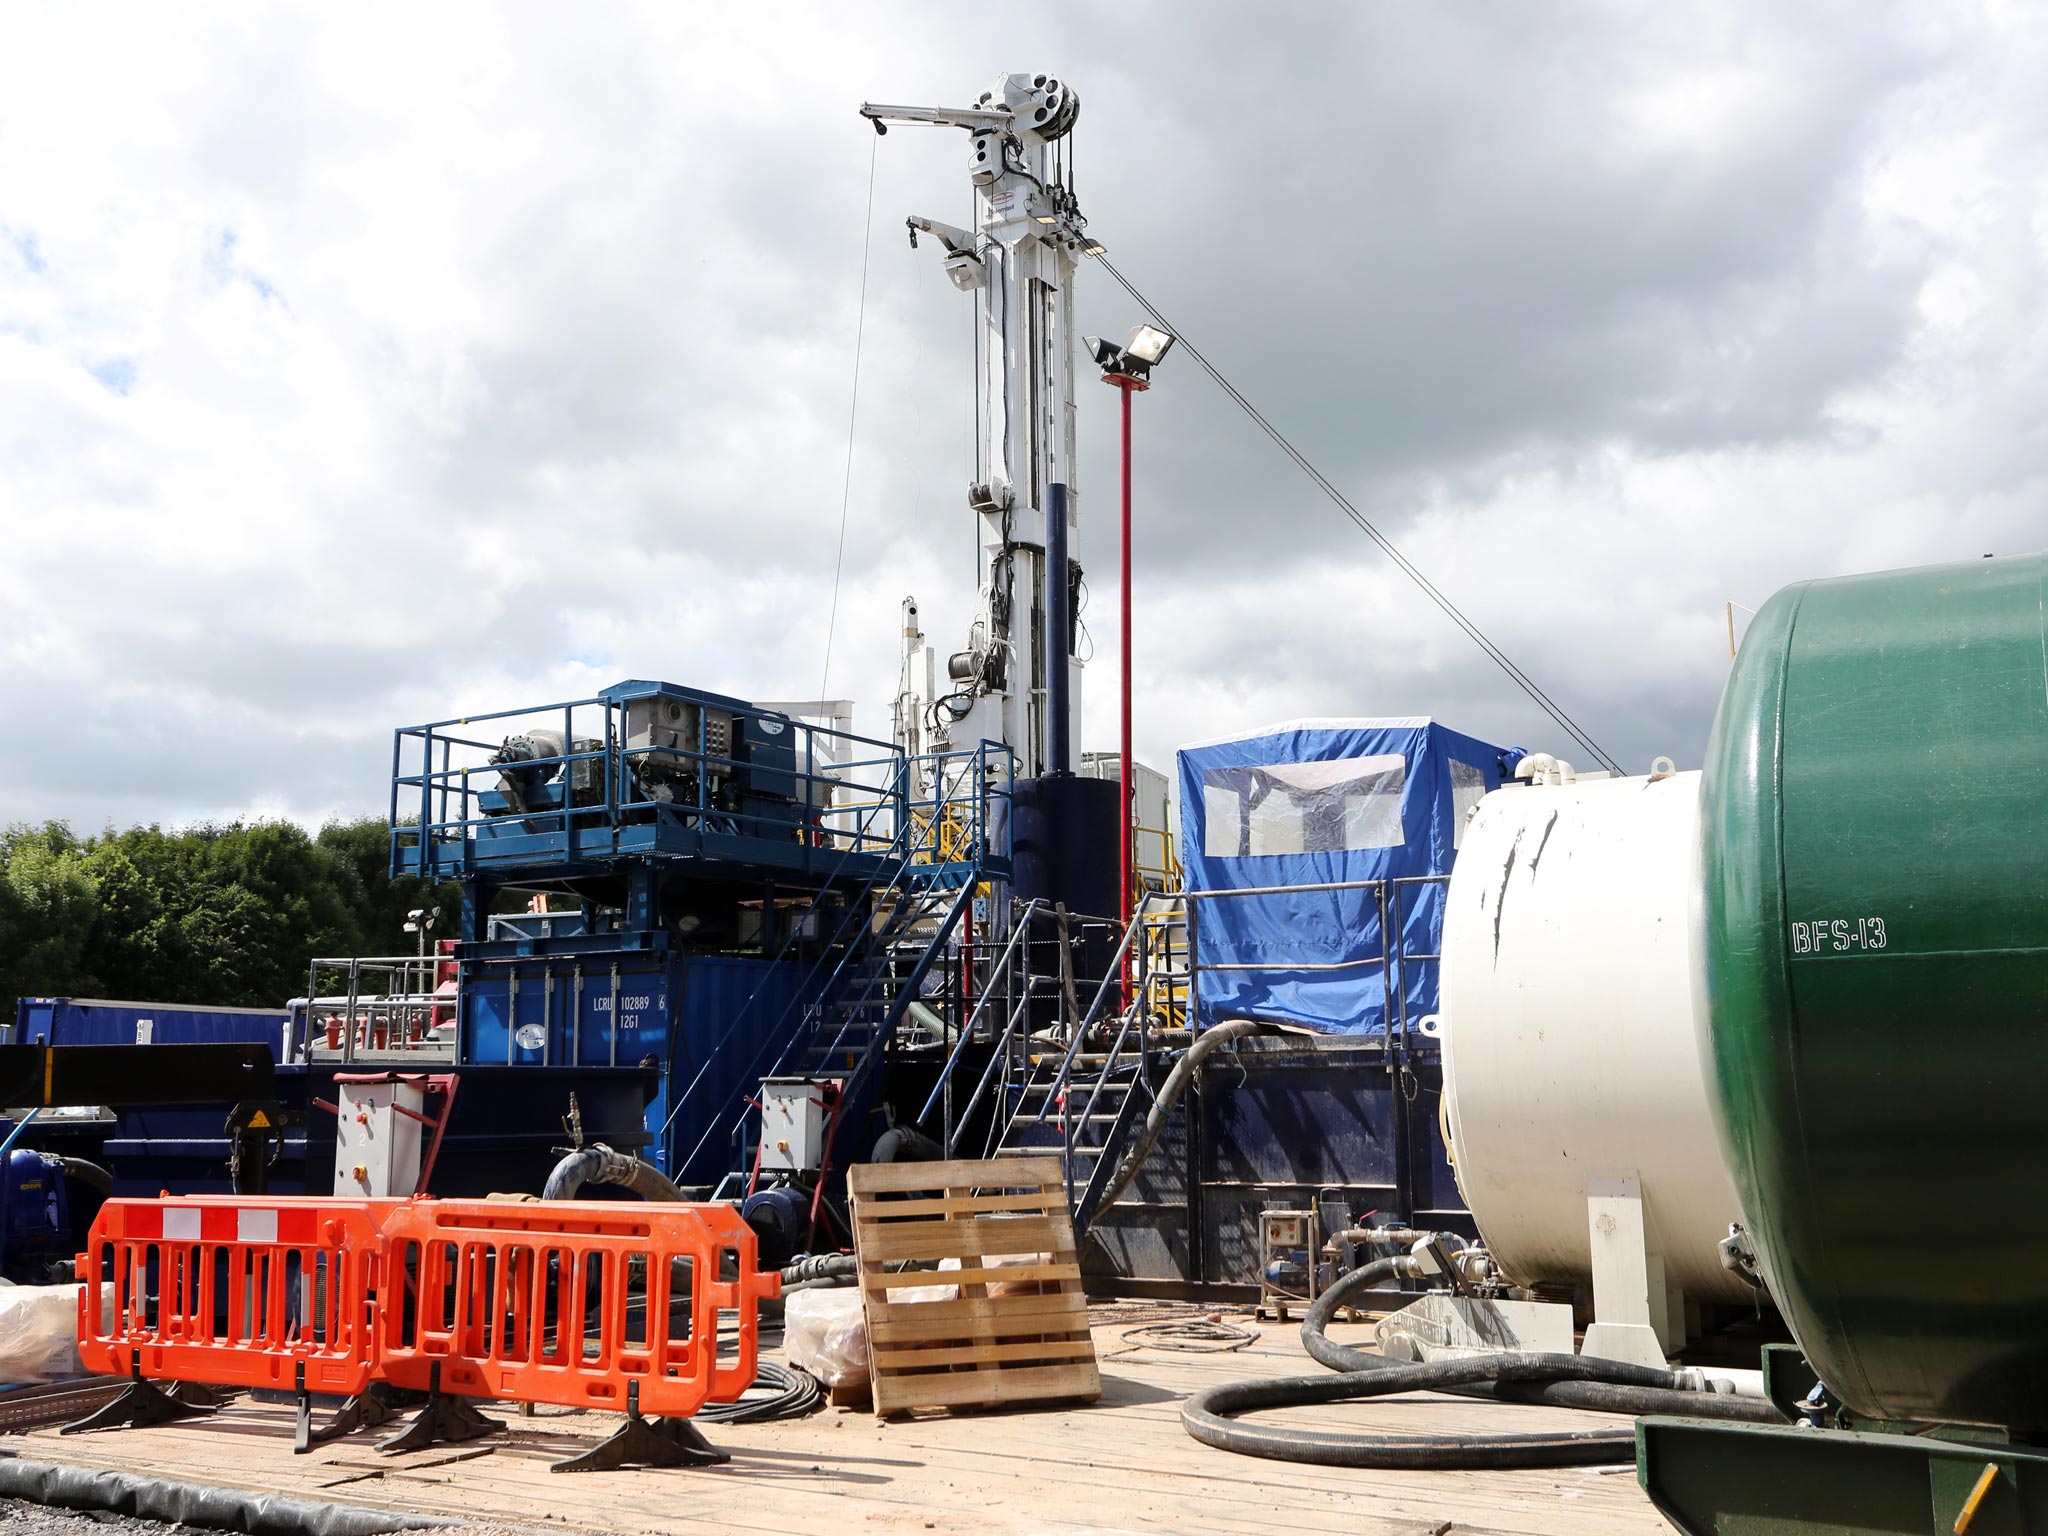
(1567, 1017)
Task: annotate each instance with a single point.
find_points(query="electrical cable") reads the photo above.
(860, 325)
(1407, 567)
(1555, 1380)
(796, 1393)
(1201, 1336)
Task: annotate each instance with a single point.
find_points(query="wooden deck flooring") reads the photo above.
(1122, 1464)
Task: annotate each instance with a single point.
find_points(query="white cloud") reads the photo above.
(364, 366)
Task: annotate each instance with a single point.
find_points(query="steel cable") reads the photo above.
(1407, 567)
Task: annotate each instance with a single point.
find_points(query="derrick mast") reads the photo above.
(1018, 262)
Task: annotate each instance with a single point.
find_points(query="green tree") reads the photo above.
(47, 906)
(138, 947)
(206, 914)
(359, 862)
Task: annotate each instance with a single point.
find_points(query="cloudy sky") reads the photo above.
(361, 365)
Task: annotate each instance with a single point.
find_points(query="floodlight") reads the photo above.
(1148, 343)
(1107, 354)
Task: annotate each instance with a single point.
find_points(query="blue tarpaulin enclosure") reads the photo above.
(1322, 803)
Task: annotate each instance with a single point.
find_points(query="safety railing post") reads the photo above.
(1386, 978)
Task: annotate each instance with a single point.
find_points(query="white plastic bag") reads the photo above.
(823, 1332)
(39, 1332)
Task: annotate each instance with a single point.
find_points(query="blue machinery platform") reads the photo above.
(747, 895)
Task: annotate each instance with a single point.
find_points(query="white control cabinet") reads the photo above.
(377, 1149)
(792, 1124)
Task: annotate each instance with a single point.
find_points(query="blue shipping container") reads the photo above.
(712, 1024)
(92, 1021)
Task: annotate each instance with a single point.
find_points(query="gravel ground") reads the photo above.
(18, 1517)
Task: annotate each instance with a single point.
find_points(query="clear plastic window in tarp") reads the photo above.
(1303, 843)
(1329, 807)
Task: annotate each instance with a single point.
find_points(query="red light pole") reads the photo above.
(1126, 387)
(1129, 369)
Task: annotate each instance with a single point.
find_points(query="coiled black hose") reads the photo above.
(1570, 1381)
(797, 1393)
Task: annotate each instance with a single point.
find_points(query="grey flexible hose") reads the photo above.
(61, 1486)
(599, 1164)
(1206, 1044)
(1564, 1381)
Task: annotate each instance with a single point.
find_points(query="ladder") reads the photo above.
(884, 942)
(1082, 1105)
(1085, 1101)
(846, 1032)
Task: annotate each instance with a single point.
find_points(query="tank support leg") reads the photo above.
(1630, 1297)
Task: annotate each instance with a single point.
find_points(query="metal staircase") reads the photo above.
(1084, 1106)
(1083, 1087)
(845, 1034)
(874, 945)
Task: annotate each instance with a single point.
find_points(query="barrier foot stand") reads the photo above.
(194, 1394)
(646, 1443)
(363, 1411)
(140, 1405)
(445, 1418)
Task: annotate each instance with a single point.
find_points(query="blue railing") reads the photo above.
(945, 853)
(567, 784)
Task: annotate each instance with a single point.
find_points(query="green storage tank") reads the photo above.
(1873, 950)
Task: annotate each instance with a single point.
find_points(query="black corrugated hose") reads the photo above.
(61, 1486)
(797, 1392)
(836, 1268)
(599, 1164)
(1565, 1381)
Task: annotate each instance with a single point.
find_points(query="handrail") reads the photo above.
(906, 991)
(1392, 960)
(1109, 1062)
(1112, 972)
(858, 956)
(1017, 932)
(852, 918)
(995, 1059)
(844, 806)
(970, 783)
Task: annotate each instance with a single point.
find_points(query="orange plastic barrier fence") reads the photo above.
(740, 1297)
(582, 1304)
(564, 1302)
(233, 1291)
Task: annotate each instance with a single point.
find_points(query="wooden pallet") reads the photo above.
(1030, 1343)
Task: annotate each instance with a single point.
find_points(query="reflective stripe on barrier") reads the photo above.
(233, 1291)
(564, 1302)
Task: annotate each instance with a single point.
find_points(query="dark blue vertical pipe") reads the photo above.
(1059, 628)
